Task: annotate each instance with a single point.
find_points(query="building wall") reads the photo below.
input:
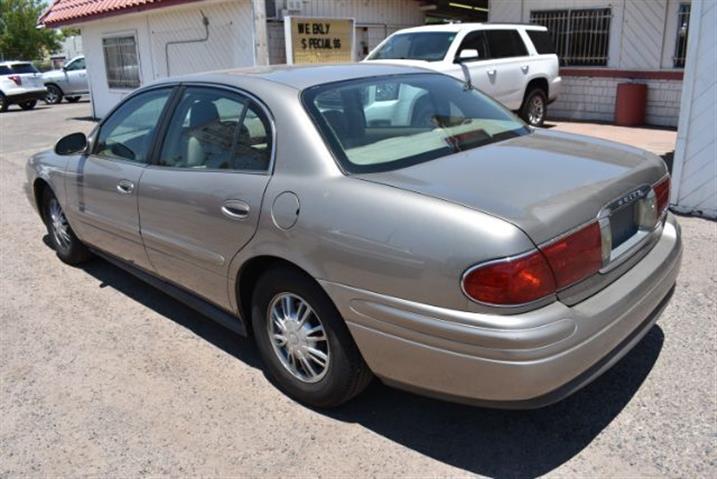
(694, 181)
(230, 44)
(642, 38)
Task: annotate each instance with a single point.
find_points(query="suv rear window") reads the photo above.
(21, 68)
(542, 41)
(505, 43)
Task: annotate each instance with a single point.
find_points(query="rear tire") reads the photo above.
(535, 107)
(343, 375)
(67, 246)
(28, 105)
(54, 95)
(3, 103)
(72, 99)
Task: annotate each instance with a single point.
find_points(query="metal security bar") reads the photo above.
(581, 37)
(683, 28)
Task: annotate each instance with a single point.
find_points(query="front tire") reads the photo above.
(3, 103)
(306, 347)
(28, 105)
(66, 244)
(54, 95)
(535, 107)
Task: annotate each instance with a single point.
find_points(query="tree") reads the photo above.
(20, 39)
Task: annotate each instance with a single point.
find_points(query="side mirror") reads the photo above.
(468, 54)
(70, 144)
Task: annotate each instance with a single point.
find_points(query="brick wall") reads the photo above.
(593, 98)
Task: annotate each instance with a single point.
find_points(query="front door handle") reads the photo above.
(125, 187)
(235, 209)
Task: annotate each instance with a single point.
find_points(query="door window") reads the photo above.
(474, 41)
(128, 133)
(217, 130)
(78, 64)
(505, 43)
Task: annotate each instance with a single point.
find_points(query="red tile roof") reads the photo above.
(67, 12)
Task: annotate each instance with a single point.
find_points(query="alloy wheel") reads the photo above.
(298, 337)
(536, 110)
(53, 95)
(58, 224)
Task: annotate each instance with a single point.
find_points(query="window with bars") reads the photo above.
(581, 37)
(683, 28)
(121, 61)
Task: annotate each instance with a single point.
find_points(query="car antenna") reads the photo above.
(468, 85)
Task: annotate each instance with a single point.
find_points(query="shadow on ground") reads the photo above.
(482, 441)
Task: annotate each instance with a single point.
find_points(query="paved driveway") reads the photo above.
(103, 375)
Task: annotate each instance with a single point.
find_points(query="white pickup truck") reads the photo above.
(515, 64)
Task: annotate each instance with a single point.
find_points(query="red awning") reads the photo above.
(67, 12)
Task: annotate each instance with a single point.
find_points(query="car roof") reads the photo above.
(461, 27)
(9, 63)
(298, 77)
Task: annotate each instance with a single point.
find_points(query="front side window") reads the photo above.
(581, 37)
(217, 130)
(121, 61)
(433, 116)
(505, 44)
(683, 28)
(78, 64)
(474, 41)
(427, 46)
(128, 133)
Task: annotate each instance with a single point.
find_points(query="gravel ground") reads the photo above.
(105, 376)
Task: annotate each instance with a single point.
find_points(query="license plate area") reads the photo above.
(623, 224)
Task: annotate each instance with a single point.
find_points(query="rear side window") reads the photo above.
(5, 70)
(505, 43)
(217, 130)
(542, 41)
(21, 68)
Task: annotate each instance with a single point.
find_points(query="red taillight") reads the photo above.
(662, 194)
(511, 281)
(575, 256)
(16, 78)
(520, 280)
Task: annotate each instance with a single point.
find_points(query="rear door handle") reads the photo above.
(125, 187)
(235, 209)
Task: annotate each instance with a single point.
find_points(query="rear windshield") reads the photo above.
(542, 41)
(21, 68)
(427, 46)
(390, 122)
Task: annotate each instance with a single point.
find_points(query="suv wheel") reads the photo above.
(54, 95)
(67, 246)
(307, 349)
(28, 105)
(3, 103)
(534, 108)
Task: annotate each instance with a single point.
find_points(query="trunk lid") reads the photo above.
(546, 183)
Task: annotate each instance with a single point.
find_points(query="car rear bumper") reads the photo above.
(518, 361)
(554, 89)
(29, 95)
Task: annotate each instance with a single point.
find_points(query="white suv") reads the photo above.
(515, 64)
(20, 84)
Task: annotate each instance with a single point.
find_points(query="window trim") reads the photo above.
(158, 142)
(120, 34)
(171, 99)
